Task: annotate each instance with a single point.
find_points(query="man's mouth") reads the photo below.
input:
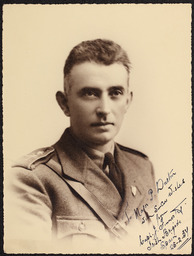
(97, 124)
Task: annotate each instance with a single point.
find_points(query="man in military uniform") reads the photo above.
(86, 186)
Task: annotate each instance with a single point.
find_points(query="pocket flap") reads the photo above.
(70, 227)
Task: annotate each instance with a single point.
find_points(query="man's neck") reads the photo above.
(109, 147)
(104, 148)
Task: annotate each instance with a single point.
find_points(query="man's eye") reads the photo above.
(90, 93)
(116, 92)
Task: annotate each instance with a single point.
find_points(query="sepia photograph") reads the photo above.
(97, 128)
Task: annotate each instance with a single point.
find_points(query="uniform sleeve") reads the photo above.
(28, 209)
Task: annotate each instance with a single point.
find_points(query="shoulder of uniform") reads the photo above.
(36, 157)
(132, 151)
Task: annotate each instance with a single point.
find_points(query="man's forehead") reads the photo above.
(89, 71)
(97, 66)
(91, 74)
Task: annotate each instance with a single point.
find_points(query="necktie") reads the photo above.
(115, 174)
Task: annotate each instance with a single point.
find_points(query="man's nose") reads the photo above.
(103, 108)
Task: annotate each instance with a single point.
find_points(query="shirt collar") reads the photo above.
(96, 155)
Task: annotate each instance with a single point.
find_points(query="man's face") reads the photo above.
(97, 101)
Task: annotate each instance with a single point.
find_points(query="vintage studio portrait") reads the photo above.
(97, 129)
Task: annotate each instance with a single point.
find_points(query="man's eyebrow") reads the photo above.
(89, 89)
(117, 87)
(98, 90)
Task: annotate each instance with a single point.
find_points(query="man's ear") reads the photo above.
(129, 100)
(63, 103)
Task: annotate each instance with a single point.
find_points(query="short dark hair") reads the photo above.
(100, 51)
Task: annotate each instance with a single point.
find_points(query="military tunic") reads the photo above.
(43, 207)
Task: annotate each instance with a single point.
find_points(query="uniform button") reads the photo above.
(32, 166)
(81, 227)
(39, 153)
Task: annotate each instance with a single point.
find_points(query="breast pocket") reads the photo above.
(68, 226)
